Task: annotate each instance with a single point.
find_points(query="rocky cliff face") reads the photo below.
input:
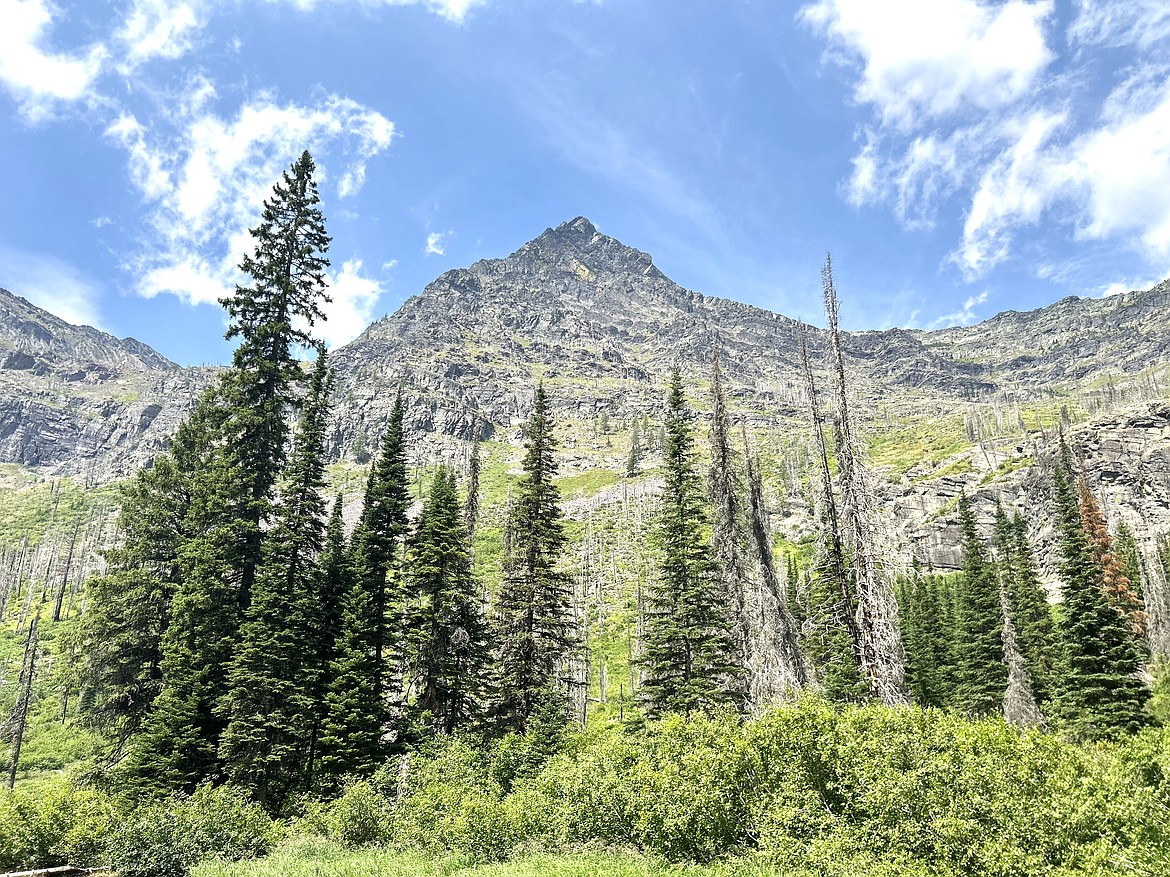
(77, 401)
(600, 325)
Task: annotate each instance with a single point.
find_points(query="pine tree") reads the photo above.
(130, 605)
(471, 504)
(1100, 693)
(927, 638)
(447, 642)
(1118, 585)
(981, 675)
(377, 546)
(1031, 615)
(232, 481)
(533, 630)
(353, 726)
(271, 703)
(688, 654)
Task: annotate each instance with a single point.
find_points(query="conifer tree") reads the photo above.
(1118, 585)
(353, 727)
(270, 703)
(335, 580)
(533, 631)
(981, 675)
(634, 460)
(286, 288)
(471, 504)
(1031, 616)
(377, 546)
(130, 604)
(232, 481)
(688, 654)
(447, 643)
(927, 638)
(1100, 693)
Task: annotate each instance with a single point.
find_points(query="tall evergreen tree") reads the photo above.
(232, 481)
(981, 674)
(688, 655)
(447, 643)
(1118, 585)
(1100, 692)
(634, 459)
(927, 637)
(1031, 616)
(533, 628)
(130, 605)
(286, 288)
(270, 704)
(377, 546)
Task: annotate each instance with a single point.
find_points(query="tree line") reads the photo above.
(239, 634)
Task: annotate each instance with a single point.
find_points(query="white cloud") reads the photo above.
(964, 317)
(37, 77)
(929, 58)
(205, 178)
(354, 298)
(1014, 189)
(159, 29)
(51, 284)
(1120, 287)
(101, 221)
(1117, 23)
(390, 265)
(436, 243)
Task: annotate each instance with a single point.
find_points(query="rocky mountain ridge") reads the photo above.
(968, 408)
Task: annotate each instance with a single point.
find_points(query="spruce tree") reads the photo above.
(688, 654)
(130, 605)
(1100, 693)
(447, 642)
(285, 291)
(533, 629)
(981, 675)
(634, 459)
(270, 703)
(231, 483)
(377, 546)
(1118, 585)
(1031, 615)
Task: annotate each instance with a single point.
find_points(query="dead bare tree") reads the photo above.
(763, 631)
(18, 722)
(883, 659)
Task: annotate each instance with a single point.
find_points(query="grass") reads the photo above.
(310, 858)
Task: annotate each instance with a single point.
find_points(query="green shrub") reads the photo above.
(52, 823)
(360, 816)
(166, 838)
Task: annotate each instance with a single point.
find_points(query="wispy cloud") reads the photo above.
(164, 29)
(977, 113)
(205, 176)
(39, 78)
(436, 243)
(354, 298)
(51, 284)
(964, 317)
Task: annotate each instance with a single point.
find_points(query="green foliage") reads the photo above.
(165, 838)
(1100, 692)
(275, 692)
(980, 671)
(687, 649)
(1029, 603)
(446, 638)
(532, 628)
(54, 823)
(926, 614)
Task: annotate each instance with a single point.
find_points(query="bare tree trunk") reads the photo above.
(883, 660)
(28, 672)
(834, 562)
(1019, 701)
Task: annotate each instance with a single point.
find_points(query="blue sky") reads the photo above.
(958, 157)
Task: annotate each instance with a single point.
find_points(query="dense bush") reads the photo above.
(52, 823)
(813, 789)
(165, 838)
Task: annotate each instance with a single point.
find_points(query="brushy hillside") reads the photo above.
(801, 790)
